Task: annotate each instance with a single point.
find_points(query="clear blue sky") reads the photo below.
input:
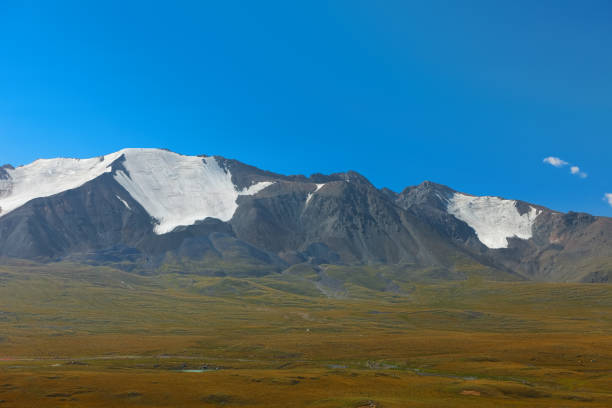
(472, 94)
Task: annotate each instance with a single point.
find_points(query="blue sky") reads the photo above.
(471, 94)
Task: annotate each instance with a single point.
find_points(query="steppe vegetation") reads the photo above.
(75, 336)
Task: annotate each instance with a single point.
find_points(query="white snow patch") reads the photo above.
(310, 194)
(180, 190)
(494, 219)
(255, 188)
(124, 202)
(47, 177)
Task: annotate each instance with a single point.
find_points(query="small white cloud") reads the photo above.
(555, 161)
(608, 198)
(576, 171)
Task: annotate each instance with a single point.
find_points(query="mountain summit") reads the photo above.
(145, 208)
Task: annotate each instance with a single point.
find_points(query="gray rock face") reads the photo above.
(322, 219)
(85, 219)
(564, 247)
(5, 182)
(346, 219)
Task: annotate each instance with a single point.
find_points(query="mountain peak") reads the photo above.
(174, 189)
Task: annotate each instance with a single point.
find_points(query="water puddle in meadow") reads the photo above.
(202, 369)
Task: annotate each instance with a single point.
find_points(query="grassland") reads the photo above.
(75, 336)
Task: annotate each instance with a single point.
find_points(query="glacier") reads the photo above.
(179, 190)
(493, 219)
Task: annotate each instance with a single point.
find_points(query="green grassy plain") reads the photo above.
(75, 336)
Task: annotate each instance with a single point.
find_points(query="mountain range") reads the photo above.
(146, 210)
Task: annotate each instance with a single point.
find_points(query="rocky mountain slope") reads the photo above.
(147, 209)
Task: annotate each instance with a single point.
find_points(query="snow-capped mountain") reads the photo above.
(149, 206)
(173, 189)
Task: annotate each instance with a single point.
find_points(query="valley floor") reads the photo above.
(72, 336)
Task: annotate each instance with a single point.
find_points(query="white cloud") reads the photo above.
(555, 161)
(576, 171)
(608, 198)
